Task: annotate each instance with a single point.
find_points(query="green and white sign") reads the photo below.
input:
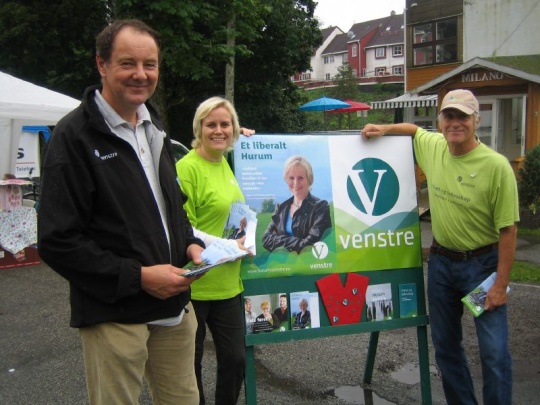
(370, 190)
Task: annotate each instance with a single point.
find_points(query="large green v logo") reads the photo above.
(373, 186)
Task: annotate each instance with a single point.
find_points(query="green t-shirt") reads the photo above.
(211, 189)
(471, 197)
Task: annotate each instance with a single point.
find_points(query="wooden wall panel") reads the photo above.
(428, 10)
(532, 134)
(418, 76)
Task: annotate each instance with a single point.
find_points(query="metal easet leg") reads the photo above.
(250, 380)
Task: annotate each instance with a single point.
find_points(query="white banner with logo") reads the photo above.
(370, 191)
(28, 155)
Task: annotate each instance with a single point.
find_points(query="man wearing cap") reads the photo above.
(474, 210)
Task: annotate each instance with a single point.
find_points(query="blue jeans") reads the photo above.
(225, 319)
(448, 282)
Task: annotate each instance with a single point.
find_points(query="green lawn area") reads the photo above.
(528, 232)
(523, 272)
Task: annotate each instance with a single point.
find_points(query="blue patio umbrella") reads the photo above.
(324, 104)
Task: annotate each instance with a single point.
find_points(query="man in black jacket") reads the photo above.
(111, 222)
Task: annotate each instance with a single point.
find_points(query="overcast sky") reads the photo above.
(346, 13)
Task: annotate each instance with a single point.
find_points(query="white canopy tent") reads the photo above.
(23, 103)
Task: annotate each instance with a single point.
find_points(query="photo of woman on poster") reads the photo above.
(240, 232)
(302, 319)
(301, 220)
(266, 321)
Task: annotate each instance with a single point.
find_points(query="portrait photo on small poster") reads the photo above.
(266, 313)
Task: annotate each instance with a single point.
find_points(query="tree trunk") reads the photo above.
(229, 68)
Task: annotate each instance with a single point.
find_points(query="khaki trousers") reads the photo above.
(117, 356)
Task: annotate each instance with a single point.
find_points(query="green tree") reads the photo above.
(266, 98)
(268, 206)
(529, 180)
(347, 87)
(266, 41)
(197, 47)
(51, 43)
(273, 40)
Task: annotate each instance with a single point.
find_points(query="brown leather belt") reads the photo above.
(459, 255)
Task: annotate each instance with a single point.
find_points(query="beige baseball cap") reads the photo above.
(462, 100)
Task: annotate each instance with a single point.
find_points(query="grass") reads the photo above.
(529, 232)
(524, 272)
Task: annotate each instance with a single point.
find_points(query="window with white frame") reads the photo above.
(380, 52)
(380, 71)
(397, 50)
(327, 76)
(435, 42)
(328, 59)
(354, 51)
(397, 70)
(344, 59)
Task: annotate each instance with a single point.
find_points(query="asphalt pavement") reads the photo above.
(41, 359)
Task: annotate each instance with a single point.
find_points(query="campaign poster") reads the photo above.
(359, 214)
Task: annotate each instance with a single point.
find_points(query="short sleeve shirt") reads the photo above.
(471, 197)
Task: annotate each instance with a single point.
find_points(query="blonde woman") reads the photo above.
(208, 181)
(266, 321)
(301, 220)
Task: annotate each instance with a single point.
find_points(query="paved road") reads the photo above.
(41, 362)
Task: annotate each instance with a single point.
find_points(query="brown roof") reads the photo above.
(338, 45)
(391, 32)
(360, 30)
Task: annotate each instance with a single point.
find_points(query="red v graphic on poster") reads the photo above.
(344, 304)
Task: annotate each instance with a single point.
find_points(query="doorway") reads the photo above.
(502, 124)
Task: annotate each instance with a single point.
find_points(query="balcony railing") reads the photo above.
(365, 80)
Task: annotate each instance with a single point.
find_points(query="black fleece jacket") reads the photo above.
(309, 224)
(99, 222)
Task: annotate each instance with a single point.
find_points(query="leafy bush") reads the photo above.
(529, 180)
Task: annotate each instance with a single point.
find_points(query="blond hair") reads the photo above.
(204, 109)
(302, 162)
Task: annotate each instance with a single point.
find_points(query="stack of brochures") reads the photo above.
(242, 223)
(219, 252)
(475, 300)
